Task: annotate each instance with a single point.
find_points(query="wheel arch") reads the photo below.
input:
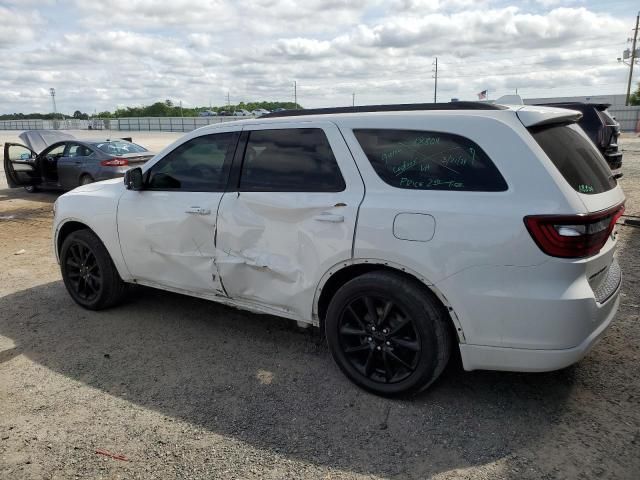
(342, 272)
(65, 229)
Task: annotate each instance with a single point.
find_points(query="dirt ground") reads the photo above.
(185, 388)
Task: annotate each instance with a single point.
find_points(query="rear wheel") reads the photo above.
(88, 273)
(387, 333)
(86, 179)
(31, 188)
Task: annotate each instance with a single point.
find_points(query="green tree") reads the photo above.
(634, 98)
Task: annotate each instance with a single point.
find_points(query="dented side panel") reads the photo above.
(274, 247)
(165, 242)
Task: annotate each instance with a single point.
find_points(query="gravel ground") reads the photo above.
(184, 388)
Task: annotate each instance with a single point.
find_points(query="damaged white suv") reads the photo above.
(404, 232)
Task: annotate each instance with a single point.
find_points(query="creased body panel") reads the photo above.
(163, 243)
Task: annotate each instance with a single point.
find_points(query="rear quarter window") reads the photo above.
(577, 159)
(425, 160)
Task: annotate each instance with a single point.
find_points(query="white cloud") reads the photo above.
(116, 52)
(17, 26)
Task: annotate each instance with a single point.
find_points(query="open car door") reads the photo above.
(20, 166)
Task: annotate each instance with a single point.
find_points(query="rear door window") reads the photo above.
(577, 159)
(424, 160)
(290, 160)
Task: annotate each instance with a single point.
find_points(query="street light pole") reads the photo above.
(633, 59)
(52, 92)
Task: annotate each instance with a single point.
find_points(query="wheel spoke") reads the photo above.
(371, 310)
(75, 254)
(385, 312)
(412, 345)
(399, 360)
(403, 323)
(352, 331)
(357, 317)
(358, 348)
(388, 372)
(368, 366)
(72, 263)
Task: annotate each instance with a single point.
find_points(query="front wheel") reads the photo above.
(88, 273)
(31, 188)
(387, 333)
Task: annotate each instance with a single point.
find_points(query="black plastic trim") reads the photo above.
(400, 107)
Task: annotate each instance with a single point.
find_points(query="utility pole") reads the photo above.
(181, 108)
(295, 93)
(228, 100)
(633, 59)
(435, 76)
(353, 99)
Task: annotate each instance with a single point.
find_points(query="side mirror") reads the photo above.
(133, 179)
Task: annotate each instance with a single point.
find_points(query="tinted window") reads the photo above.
(195, 166)
(577, 159)
(290, 160)
(416, 159)
(120, 147)
(76, 150)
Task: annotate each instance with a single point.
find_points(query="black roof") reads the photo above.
(401, 107)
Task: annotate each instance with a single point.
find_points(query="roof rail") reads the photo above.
(400, 107)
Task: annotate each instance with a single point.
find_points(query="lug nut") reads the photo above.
(373, 329)
(378, 347)
(388, 344)
(369, 339)
(385, 331)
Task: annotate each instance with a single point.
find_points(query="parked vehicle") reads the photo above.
(258, 112)
(602, 129)
(241, 113)
(403, 232)
(51, 159)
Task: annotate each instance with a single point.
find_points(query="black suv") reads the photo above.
(601, 128)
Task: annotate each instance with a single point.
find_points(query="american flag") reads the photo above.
(482, 95)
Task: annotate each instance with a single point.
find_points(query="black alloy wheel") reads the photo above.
(388, 333)
(88, 272)
(83, 271)
(379, 339)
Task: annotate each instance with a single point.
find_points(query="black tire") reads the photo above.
(86, 179)
(31, 188)
(408, 348)
(88, 272)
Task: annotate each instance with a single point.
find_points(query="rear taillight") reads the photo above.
(573, 236)
(115, 162)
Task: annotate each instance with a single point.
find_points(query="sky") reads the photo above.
(101, 55)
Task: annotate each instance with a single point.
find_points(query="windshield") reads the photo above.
(120, 147)
(577, 159)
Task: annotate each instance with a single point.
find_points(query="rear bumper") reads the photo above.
(613, 158)
(478, 357)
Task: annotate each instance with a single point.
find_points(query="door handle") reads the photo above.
(198, 211)
(329, 217)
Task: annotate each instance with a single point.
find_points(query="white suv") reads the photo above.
(401, 231)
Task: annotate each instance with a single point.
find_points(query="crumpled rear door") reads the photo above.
(274, 247)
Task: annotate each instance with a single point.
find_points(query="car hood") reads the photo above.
(38, 140)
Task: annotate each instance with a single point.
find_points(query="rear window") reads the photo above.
(423, 160)
(577, 159)
(120, 147)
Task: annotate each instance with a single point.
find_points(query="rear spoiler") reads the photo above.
(533, 116)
